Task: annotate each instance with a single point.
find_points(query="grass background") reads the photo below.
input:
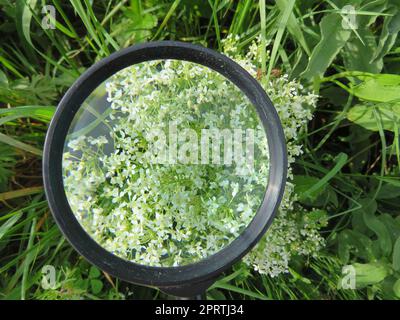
(350, 167)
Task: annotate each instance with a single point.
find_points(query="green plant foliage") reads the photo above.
(333, 38)
(363, 115)
(344, 183)
(370, 273)
(378, 88)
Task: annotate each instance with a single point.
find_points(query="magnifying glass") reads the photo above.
(164, 164)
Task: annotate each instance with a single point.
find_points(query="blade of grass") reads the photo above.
(8, 65)
(397, 142)
(23, 61)
(241, 13)
(113, 11)
(214, 4)
(35, 112)
(337, 121)
(23, 209)
(279, 35)
(378, 120)
(60, 46)
(47, 237)
(104, 35)
(166, 19)
(9, 223)
(20, 193)
(233, 288)
(60, 10)
(4, 120)
(263, 38)
(294, 27)
(340, 162)
(28, 260)
(24, 10)
(20, 145)
(93, 27)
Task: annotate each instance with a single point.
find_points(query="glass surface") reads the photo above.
(165, 163)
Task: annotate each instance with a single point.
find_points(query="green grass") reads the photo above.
(350, 167)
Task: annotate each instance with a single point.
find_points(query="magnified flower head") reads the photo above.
(172, 164)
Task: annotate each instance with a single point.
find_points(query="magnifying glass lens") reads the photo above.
(165, 163)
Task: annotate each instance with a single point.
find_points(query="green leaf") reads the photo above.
(372, 222)
(94, 272)
(349, 239)
(8, 64)
(19, 145)
(363, 39)
(363, 115)
(392, 225)
(240, 19)
(35, 112)
(317, 185)
(96, 286)
(333, 38)
(354, 61)
(283, 21)
(294, 27)
(28, 259)
(396, 288)
(215, 294)
(20, 193)
(396, 255)
(82, 284)
(23, 19)
(392, 180)
(94, 29)
(9, 223)
(370, 273)
(303, 184)
(390, 30)
(378, 88)
(388, 191)
(3, 79)
(168, 16)
(317, 216)
(136, 25)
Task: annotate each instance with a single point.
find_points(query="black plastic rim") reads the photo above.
(53, 178)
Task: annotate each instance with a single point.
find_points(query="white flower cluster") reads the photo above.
(162, 214)
(291, 233)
